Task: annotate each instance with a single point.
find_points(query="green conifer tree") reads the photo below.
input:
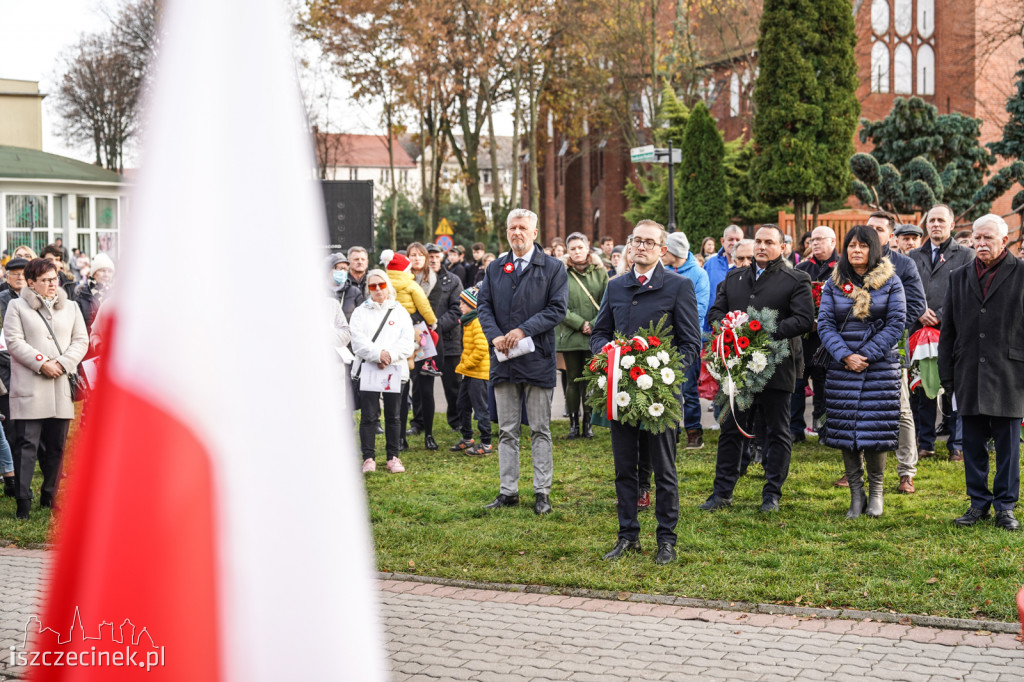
(702, 196)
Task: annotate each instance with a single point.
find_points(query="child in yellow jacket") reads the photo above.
(475, 368)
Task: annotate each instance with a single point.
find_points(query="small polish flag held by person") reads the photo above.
(213, 498)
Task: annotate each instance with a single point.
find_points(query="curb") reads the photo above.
(747, 607)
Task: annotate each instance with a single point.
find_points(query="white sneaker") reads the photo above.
(369, 466)
(811, 432)
(394, 465)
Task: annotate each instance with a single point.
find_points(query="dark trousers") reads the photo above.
(1005, 431)
(422, 386)
(5, 410)
(370, 413)
(924, 409)
(778, 443)
(691, 399)
(575, 360)
(29, 435)
(627, 444)
(797, 421)
(450, 382)
(473, 400)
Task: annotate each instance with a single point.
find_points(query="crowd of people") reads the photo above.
(48, 309)
(497, 331)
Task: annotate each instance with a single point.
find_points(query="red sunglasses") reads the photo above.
(375, 287)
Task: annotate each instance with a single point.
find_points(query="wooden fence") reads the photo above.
(840, 221)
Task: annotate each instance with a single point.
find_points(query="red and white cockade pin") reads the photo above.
(509, 268)
(390, 322)
(848, 288)
(40, 358)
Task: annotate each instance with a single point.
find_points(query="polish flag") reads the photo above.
(214, 498)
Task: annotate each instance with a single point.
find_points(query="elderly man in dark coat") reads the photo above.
(770, 282)
(981, 362)
(639, 298)
(525, 293)
(936, 260)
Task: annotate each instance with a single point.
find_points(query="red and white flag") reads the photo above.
(214, 500)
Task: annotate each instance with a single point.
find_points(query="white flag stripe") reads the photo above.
(226, 191)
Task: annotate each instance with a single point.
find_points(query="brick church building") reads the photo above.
(942, 51)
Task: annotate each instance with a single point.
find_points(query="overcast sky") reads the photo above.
(34, 33)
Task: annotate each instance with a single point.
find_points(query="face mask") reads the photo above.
(340, 276)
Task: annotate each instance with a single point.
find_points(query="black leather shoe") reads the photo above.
(972, 516)
(770, 504)
(1006, 520)
(621, 547)
(413, 430)
(503, 501)
(429, 443)
(8, 486)
(24, 507)
(379, 430)
(666, 554)
(45, 500)
(404, 447)
(542, 505)
(714, 503)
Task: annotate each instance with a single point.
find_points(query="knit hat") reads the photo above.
(468, 296)
(393, 261)
(100, 261)
(332, 260)
(678, 245)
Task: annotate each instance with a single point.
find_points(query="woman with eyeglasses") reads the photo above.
(47, 338)
(382, 335)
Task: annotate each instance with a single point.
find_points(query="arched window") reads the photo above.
(880, 17)
(880, 68)
(925, 18)
(903, 73)
(903, 17)
(925, 70)
(734, 95)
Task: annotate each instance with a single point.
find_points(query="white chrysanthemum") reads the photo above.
(668, 376)
(622, 399)
(664, 357)
(627, 361)
(732, 362)
(758, 361)
(645, 382)
(656, 409)
(602, 381)
(654, 362)
(729, 386)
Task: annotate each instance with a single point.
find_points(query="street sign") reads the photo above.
(444, 227)
(445, 242)
(661, 156)
(642, 154)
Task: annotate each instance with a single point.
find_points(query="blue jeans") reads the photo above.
(690, 399)
(6, 458)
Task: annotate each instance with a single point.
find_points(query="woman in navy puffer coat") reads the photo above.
(860, 322)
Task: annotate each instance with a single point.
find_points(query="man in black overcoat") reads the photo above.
(981, 362)
(936, 260)
(639, 298)
(767, 283)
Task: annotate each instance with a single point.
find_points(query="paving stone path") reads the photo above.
(436, 631)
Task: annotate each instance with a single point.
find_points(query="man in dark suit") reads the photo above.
(768, 283)
(981, 362)
(906, 270)
(525, 293)
(935, 260)
(638, 299)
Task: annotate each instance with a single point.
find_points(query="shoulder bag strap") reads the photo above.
(580, 282)
(49, 329)
(384, 320)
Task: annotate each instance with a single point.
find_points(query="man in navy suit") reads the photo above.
(639, 298)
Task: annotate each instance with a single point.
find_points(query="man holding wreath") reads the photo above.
(635, 300)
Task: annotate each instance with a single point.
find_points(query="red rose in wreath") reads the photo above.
(755, 326)
(848, 288)
(653, 341)
(509, 268)
(742, 342)
(636, 373)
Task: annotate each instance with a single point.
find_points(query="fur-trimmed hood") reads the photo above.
(873, 281)
(35, 301)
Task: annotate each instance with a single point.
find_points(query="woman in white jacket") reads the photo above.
(381, 316)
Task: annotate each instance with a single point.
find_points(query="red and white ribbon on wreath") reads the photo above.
(614, 373)
(731, 322)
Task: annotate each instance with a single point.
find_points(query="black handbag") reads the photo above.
(822, 358)
(80, 388)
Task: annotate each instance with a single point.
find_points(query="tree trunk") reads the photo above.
(814, 219)
(798, 216)
(587, 206)
(393, 218)
(495, 169)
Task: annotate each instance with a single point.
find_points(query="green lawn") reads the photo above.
(430, 521)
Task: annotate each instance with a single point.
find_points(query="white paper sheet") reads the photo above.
(524, 346)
